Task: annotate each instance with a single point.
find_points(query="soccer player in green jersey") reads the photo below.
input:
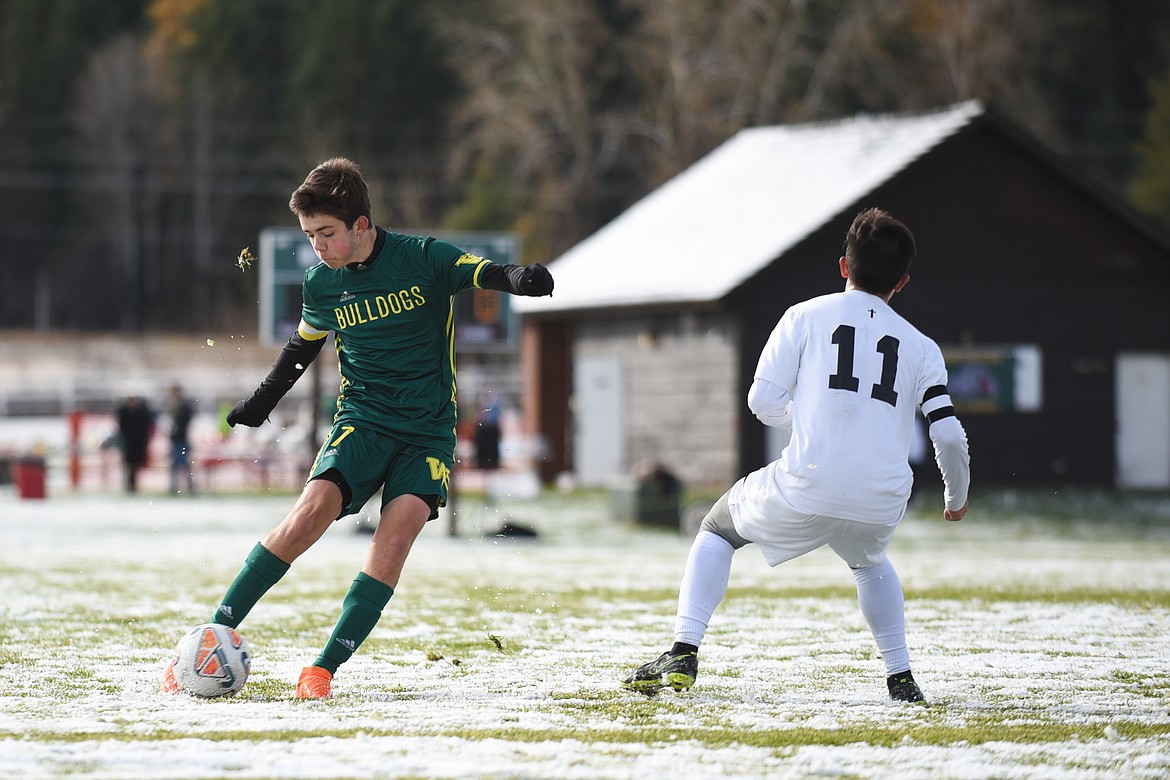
(387, 298)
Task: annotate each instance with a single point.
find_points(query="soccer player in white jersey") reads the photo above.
(848, 375)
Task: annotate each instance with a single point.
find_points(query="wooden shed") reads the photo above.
(1049, 296)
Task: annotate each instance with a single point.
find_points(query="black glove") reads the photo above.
(532, 280)
(535, 280)
(290, 364)
(241, 414)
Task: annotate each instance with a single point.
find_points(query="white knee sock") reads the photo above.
(879, 592)
(704, 584)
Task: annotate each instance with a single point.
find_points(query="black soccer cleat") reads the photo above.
(669, 670)
(903, 688)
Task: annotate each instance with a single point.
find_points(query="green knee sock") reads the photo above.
(359, 614)
(261, 571)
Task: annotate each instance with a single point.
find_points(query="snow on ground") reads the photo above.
(1041, 647)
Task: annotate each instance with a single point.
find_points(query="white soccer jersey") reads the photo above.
(856, 373)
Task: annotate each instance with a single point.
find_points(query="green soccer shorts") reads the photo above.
(369, 460)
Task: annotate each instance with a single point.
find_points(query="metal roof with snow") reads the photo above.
(720, 221)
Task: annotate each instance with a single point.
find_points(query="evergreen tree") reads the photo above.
(544, 116)
(1151, 186)
(44, 48)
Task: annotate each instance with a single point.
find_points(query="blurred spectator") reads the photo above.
(135, 427)
(487, 434)
(181, 411)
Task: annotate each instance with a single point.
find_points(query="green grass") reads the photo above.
(642, 730)
(519, 645)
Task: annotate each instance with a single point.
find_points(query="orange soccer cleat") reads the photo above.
(314, 683)
(168, 683)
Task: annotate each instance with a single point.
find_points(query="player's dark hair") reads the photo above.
(878, 251)
(335, 188)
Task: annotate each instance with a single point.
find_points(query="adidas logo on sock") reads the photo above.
(348, 644)
(225, 610)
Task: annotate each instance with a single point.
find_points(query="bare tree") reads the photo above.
(540, 105)
(212, 162)
(114, 115)
(545, 107)
(710, 70)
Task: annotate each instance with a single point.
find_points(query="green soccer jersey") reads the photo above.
(395, 335)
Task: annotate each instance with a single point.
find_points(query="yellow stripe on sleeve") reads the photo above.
(309, 333)
(478, 270)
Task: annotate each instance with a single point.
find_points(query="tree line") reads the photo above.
(143, 143)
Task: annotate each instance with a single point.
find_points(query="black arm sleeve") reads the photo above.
(296, 356)
(532, 280)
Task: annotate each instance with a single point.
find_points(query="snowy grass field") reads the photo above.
(1040, 637)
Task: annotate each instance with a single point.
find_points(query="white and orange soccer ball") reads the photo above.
(211, 661)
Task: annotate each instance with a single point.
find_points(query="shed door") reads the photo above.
(1143, 421)
(598, 420)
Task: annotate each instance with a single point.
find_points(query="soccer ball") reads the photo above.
(211, 661)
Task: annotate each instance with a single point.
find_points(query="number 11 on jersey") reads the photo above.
(845, 337)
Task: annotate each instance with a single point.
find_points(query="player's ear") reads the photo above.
(905, 280)
(844, 268)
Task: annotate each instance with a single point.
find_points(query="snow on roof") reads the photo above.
(721, 220)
